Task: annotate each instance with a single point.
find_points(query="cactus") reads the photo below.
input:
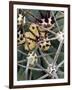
(38, 63)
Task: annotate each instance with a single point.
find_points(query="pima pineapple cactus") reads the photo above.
(41, 53)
